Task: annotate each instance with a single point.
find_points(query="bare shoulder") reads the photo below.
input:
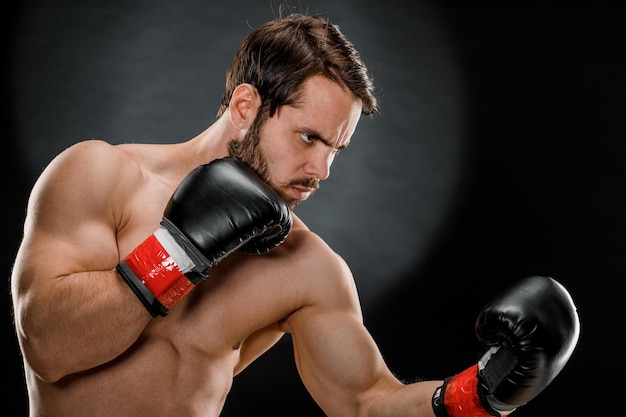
(90, 151)
(81, 172)
(325, 285)
(302, 240)
(83, 160)
(323, 273)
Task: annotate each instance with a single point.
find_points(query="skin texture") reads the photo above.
(91, 348)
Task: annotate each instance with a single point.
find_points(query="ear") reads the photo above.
(243, 106)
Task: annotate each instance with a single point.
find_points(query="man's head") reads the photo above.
(309, 83)
(278, 56)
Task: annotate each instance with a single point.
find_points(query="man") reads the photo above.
(150, 275)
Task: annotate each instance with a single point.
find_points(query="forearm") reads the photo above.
(345, 373)
(77, 322)
(412, 400)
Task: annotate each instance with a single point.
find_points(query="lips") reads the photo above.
(302, 193)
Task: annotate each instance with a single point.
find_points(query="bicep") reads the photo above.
(336, 356)
(70, 225)
(45, 256)
(338, 360)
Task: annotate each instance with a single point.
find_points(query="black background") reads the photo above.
(520, 170)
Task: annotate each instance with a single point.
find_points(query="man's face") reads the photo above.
(299, 143)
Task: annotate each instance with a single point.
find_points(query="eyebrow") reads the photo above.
(323, 139)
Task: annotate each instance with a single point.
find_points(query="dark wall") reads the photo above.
(547, 138)
(505, 125)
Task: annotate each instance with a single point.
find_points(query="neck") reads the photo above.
(212, 143)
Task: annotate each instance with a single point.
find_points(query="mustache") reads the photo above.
(312, 183)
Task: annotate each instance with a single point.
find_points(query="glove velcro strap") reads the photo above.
(494, 366)
(458, 397)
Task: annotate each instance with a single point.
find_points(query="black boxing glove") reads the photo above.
(218, 208)
(531, 329)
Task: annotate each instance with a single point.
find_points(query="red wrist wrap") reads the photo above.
(156, 269)
(461, 395)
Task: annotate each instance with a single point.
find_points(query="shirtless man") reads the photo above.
(150, 275)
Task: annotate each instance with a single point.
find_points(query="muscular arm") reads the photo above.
(336, 356)
(72, 311)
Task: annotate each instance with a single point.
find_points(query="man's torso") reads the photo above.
(184, 363)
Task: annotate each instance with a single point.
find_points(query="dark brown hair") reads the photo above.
(280, 55)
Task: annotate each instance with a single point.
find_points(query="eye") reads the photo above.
(307, 137)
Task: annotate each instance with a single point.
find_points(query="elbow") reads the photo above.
(47, 373)
(41, 360)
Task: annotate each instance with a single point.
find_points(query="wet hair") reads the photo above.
(279, 56)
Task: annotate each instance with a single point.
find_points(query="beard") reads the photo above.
(248, 150)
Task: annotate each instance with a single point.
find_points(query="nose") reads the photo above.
(318, 165)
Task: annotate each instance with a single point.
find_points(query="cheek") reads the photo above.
(280, 152)
(274, 159)
(277, 162)
(275, 144)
